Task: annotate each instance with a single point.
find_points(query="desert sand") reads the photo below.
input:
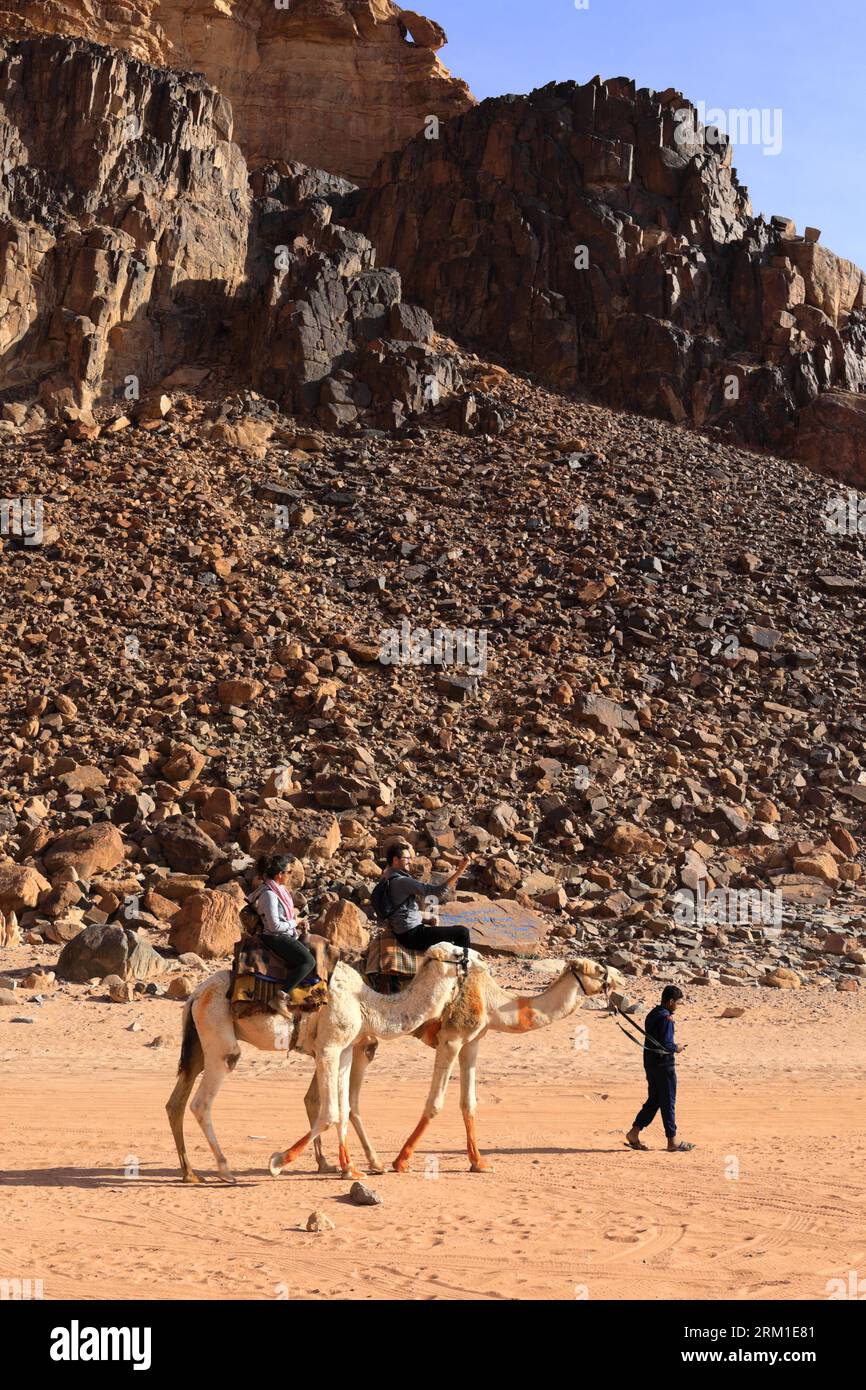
(770, 1204)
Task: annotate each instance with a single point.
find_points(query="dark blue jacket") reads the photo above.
(660, 1027)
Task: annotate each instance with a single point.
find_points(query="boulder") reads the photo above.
(782, 978)
(501, 877)
(238, 692)
(90, 850)
(819, 865)
(183, 766)
(186, 847)
(21, 887)
(345, 926)
(180, 987)
(208, 924)
(108, 949)
(305, 834)
(629, 839)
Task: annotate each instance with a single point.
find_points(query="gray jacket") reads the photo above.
(407, 894)
(272, 910)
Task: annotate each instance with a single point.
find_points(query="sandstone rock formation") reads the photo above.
(330, 83)
(132, 242)
(123, 218)
(597, 236)
(832, 436)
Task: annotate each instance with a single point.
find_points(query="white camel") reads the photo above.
(483, 1006)
(341, 1037)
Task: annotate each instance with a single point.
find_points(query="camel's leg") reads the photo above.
(328, 1079)
(468, 1104)
(362, 1056)
(311, 1102)
(216, 1069)
(347, 1167)
(191, 1066)
(446, 1055)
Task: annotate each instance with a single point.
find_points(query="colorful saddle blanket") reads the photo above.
(258, 976)
(385, 956)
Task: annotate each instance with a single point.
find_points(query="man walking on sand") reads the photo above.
(659, 1051)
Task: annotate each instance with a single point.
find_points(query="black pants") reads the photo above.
(419, 938)
(662, 1088)
(300, 961)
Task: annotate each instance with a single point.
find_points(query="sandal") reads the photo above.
(681, 1148)
(636, 1144)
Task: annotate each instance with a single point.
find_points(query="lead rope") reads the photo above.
(655, 1045)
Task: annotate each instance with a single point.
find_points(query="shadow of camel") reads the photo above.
(114, 1177)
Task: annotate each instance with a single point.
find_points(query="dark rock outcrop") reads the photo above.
(597, 236)
(134, 241)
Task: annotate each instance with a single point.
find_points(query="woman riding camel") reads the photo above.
(274, 904)
(404, 895)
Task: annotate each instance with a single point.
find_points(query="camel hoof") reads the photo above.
(400, 1165)
(377, 1167)
(481, 1167)
(351, 1173)
(190, 1176)
(326, 1168)
(227, 1177)
(275, 1167)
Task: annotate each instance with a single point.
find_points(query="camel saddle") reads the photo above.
(259, 976)
(389, 966)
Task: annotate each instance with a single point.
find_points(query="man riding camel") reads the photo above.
(401, 897)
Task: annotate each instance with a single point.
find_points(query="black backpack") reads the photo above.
(381, 900)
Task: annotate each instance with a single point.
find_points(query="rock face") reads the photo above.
(832, 436)
(132, 242)
(332, 83)
(326, 331)
(598, 236)
(123, 217)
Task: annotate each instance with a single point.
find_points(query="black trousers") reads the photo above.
(300, 961)
(419, 938)
(662, 1095)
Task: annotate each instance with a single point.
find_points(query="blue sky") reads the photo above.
(806, 58)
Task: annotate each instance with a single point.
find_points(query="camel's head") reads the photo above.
(447, 954)
(594, 977)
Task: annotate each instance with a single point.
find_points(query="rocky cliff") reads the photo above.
(329, 83)
(133, 241)
(597, 235)
(124, 211)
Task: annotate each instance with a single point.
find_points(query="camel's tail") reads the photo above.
(190, 1043)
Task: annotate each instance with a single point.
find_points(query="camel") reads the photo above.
(481, 1006)
(342, 1037)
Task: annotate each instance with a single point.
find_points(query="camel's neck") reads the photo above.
(390, 1016)
(522, 1013)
